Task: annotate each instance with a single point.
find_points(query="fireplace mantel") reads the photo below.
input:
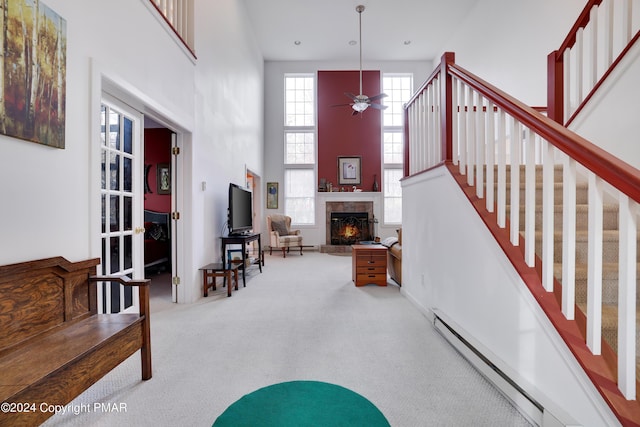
(347, 197)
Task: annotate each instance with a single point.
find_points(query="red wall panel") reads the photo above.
(341, 134)
(157, 149)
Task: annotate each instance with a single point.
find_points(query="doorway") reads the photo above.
(160, 191)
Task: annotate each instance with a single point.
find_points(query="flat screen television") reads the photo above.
(240, 215)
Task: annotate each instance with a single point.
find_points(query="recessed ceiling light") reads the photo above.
(353, 43)
(297, 42)
(407, 42)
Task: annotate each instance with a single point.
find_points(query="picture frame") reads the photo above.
(39, 68)
(349, 170)
(163, 178)
(272, 195)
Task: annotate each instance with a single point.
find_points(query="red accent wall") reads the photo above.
(340, 133)
(157, 149)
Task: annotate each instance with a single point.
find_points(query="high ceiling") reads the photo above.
(324, 28)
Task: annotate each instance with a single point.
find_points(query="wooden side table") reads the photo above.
(217, 269)
(369, 264)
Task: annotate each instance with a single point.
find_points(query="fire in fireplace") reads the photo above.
(348, 228)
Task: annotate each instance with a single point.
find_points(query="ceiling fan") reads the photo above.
(361, 102)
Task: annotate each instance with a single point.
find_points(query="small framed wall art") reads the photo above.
(163, 178)
(349, 170)
(272, 195)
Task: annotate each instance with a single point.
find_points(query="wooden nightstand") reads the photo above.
(369, 264)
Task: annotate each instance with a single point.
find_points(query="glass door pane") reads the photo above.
(121, 242)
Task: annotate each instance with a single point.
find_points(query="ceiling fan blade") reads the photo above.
(351, 96)
(355, 113)
(378, 106)
(376, 97)
(341, 105)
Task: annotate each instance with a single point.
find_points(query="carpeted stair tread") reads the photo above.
(609, 281)
(609, 212)
(609, 245)
(582, 196)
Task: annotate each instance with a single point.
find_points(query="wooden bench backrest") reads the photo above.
(40, 296)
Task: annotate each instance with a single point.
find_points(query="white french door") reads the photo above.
(122, 234)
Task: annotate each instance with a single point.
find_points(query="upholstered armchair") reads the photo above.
(280, 234)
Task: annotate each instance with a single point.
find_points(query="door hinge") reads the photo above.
(175, 215)
(175, 151)
(175, 280)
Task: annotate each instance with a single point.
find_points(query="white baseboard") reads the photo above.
(523, 395)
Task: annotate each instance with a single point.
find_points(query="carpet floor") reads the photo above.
(302, 319)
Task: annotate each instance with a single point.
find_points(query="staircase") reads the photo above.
(461, 121)
(610, 242)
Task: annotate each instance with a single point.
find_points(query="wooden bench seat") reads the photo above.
(54, 345)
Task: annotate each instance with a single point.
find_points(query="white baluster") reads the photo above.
(568, 82)
(480, 145)
(627, 298)
(568, 237)
(548, 208)
(455, 143)
(530, 201)
(593, 48)
(437, 146)
(471, 136)
(430, 126)
(516, 132)
(626, 24)
(463, 129)
(594, 265)
(608, 33)
(491, 156)
(502, 168)
(579, 73)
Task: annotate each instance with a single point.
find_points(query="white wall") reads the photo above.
(452, 263)
(610, 118)
(49, 195)
(506, 43)
(274, 72)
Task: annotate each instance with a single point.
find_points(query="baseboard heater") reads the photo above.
(527, 405)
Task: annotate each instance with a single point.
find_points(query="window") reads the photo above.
(299, 148)
(398, 88)
(299, 202)
(299, 100)
(392, 196)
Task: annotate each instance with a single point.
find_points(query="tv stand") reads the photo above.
(242, 239)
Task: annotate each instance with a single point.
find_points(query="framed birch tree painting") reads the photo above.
(33, 72)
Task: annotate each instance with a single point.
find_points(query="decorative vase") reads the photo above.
(375, 183)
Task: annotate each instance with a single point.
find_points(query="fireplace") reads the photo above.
(354, 218)
(348, 228)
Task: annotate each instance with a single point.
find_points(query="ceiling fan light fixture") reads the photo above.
(361, 102)
(360, 106)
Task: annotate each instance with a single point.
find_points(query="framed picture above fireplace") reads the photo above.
(349, 170)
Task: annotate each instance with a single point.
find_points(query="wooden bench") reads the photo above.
(53, 344)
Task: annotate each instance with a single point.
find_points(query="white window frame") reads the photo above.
(391, 129)
(309, 129)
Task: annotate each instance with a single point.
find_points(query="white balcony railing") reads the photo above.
(599, 38)
(179, 15)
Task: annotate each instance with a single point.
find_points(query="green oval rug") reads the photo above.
(302, 403)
